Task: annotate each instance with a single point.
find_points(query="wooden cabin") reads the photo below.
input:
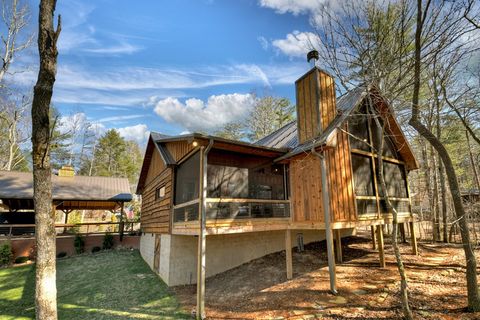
(210, 204)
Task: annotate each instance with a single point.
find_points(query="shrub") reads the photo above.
(62, 254)
(108, 241)
(22, 259)
(79, 244)
(6, 254)
(96, 249)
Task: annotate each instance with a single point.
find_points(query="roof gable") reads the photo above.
(346, 105)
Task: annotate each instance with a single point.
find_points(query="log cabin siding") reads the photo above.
(156, 213)
(156, 167)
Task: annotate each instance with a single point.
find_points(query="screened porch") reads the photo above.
(238, 187)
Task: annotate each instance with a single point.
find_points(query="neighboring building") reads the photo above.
(224, 202)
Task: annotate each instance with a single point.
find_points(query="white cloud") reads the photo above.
(130, 86)
(197, 115)
(293, 6)
(120, 118)
(263, 42)
(138, 133)
(297, 44)
(122, 48)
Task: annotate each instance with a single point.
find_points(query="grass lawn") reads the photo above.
(107, 285)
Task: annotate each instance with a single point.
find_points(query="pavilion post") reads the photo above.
(122, 224)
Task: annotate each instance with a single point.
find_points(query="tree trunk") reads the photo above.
(427, 176)
(436, 207)
(471, 262)
(472, 161)
(407, 313)
(443, 195)
(45, 286)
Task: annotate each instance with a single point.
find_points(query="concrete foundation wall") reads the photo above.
(178, 254)
(147, 248)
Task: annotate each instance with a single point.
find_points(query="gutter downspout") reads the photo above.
(326, 212)
(202, 237)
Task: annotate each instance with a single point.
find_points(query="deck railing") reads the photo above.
(221, 208)
(22, 230)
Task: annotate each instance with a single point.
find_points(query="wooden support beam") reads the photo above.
(380, 246)
(413, 238)
(374, 238)
(402, 232)
(288, 253)
(338, 251)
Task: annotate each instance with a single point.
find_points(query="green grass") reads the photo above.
(107, 285)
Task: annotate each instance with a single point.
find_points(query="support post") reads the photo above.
(402, 232)
(288, 253)
(202, 237)
(338, 236)
(413, 238)
(328, 227)
(380, 246)
(374, 238)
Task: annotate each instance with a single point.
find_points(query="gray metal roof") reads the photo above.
(19, 185)
(286, 137)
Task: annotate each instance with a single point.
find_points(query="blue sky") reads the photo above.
(174, 66)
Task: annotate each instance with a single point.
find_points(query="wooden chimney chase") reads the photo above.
(316, 106)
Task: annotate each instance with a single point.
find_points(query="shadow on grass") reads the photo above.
(106, 285)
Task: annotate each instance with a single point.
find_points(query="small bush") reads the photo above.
(79, 244)
(6, 254)
(108, 241)
(96, 249)
(22, 259)
(62, 254)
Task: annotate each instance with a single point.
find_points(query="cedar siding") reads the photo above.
(155, 216)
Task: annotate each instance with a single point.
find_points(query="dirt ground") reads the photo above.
(259, 289)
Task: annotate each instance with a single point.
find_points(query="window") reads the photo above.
(160, 193)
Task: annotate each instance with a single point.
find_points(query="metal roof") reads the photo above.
(19, 185)
(286, 137)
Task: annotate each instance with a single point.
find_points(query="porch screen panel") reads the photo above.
(187, 179)
(362, 175)
(389, 149)
(395, 180)
(227, 182)
(358, 129)
(265, 182)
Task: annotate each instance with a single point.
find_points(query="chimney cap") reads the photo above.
(312, 55)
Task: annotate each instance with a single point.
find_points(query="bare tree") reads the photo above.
(13, 120)
(381, 134)
(45, 285)
(427, 36)
(15, 16)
